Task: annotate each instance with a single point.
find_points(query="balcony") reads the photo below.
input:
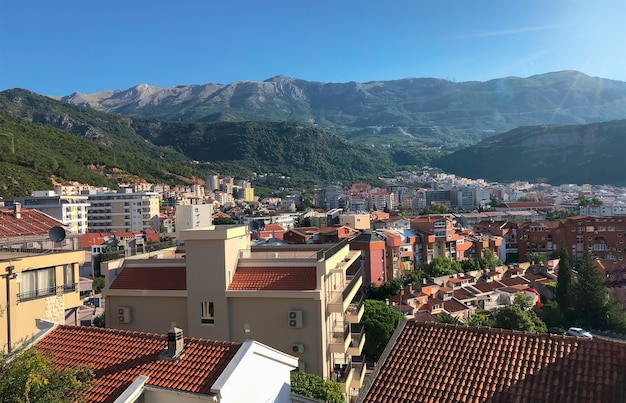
(339, 338)
(357, 340)
(344, 375)
(359, 374)
(355, 310)
(340, 298)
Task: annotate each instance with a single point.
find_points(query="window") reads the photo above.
(68, 278)
(37, 284)
(207, 315)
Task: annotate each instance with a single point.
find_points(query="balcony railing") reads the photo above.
(338, 300)
(339, 337)
(357, 339)
(355, 310)
(46, 292)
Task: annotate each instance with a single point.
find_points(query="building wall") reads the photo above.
(267, 320)
(193, 216)
(212, 256)
(355, 221)
(25, 315)
(153, 312)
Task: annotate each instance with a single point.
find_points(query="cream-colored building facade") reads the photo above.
(318, 323)
(40, 288)
(123, 211)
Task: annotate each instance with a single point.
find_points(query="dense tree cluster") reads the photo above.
(314, 387)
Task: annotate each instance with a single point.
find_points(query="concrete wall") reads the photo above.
(149, 313)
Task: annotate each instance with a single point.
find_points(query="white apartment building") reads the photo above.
(193, 216)
(123, 211)
(70, 210)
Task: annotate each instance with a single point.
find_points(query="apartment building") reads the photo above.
(436, 237)
(603, 236)
(39, 281)
(123, 211)
(71, 211)
(193, 216)
(304, 300)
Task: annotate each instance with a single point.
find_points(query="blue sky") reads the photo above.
(56, 48)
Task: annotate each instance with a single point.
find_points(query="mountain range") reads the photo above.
(295, 133)
(417, 111)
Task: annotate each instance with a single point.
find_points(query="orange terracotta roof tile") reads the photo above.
(118, 357)
(274, 278)
(151, 278)
(31, 222)
(434, 362)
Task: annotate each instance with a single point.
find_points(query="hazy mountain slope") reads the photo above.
(417, 108)
(593, 153)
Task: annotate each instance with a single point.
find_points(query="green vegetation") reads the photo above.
(520, 315)
(314, 387)
(585, 303)
(28, 375)
(565, 154)
(380, 321)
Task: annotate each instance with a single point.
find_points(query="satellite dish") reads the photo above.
(56, 234)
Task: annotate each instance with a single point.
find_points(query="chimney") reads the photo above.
(17, 207)
(175, 342)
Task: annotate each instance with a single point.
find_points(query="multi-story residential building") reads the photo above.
(607, 209)
(382, 200)
(71, 211)
(399, 252)
(603, 236)
(373, 256)
(435, 236)
(39, 280)
(193, 216)
(123, 211)
(301, 299)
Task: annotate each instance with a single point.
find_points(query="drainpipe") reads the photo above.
(9, 276)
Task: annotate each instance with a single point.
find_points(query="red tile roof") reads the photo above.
(430, 362)
(274, 278)
(118, 357)
(151, 278)
(31, 222)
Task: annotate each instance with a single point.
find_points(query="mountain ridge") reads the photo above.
(464, 112)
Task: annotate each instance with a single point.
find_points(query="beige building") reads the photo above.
(355, 221)
(304, 300)
(123, 211)
(40, 288)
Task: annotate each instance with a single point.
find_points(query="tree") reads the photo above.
(99, 320)
(480, 318)
(447, 318)
(564, 285)
(223, 221)
(380, 321)
(441, 266)
(489, 260)
(28, 375)
(592, 302)
(519, 316)
(313, 386)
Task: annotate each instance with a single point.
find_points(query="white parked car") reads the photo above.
(576, 331)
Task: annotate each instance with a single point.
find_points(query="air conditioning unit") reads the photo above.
(123, 314)
(297, 348)
(295, 319)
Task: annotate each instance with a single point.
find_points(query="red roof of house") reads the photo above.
(274, 278)
(31, 222)
(273, 227)
(151, 278)
(118, 357)
(434, 362)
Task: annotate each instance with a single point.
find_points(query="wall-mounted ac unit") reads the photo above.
(297, 348)
(124, 314)
(295, 319)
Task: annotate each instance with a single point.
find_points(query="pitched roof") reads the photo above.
(274, 278)
(151, 278)
(31, 222)
(117, 357)
(445, 363)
